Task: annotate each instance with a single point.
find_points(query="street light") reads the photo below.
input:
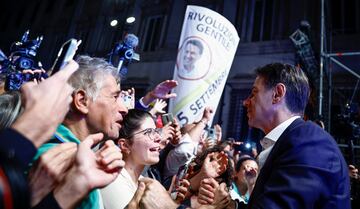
(130, 20)
(113, 23)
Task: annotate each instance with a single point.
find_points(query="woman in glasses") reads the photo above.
(139, 141)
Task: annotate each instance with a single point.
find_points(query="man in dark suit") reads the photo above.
(301, 165)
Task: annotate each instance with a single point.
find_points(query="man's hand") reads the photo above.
(183, 190)
(213, 194)
(206, 193)
(49, 170)
(46, 103)
(176, 134)
(353, 172)
(135, 201)
(166, 133)
(161, 91)
(221, 197)
(218, 132)
(109, 157)
(214, 165)
(91, 170)
(208, 111)
(102, 167)
(155, 196)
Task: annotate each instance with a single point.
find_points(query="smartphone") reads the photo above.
(128, 101)
(179, 176)
(167, 118)
(212, 133)
(65, 54)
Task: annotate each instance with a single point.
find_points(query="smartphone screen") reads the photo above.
(128, 101)
(66, 53)
(167, 118)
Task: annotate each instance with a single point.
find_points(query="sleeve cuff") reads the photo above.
(15, 145)
(142, 103)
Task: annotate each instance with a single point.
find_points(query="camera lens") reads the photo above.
(25, 63)
(129, 54)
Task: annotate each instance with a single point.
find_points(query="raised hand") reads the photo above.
(214, 165)
(176, 134)
(208, 111)
(91, 170)
(218, 132)
(158, 107)
(50, 169)
(161, 91)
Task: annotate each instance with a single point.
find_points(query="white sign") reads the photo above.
(207, 48)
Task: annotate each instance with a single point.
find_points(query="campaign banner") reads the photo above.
(206, 51)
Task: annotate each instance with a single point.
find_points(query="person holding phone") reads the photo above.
(188, 145)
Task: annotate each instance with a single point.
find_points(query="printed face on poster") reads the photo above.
(194, 59)
(206, 50)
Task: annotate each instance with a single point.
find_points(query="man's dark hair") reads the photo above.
(196, 43)
(295, 80)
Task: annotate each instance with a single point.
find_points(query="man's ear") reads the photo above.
(279, 92)
(81, 101)
(124, 146)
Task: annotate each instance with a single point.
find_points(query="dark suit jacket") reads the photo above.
(305, 169)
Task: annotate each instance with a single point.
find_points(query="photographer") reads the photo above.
(22, 65)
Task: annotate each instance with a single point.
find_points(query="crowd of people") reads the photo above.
(70, 142)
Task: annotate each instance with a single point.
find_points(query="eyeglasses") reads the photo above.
(149, 132)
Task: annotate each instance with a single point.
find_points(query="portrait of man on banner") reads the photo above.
(193, 61)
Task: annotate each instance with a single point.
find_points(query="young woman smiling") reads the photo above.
(139, 141)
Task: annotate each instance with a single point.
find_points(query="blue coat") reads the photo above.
(305, 169)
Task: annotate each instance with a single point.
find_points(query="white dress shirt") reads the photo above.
(271, 138)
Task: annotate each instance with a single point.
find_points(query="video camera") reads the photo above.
(124, 52)
(22, 57)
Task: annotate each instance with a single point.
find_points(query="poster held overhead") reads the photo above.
(207, 47)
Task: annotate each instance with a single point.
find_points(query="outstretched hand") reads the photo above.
(102, 167)
(161, 91)
(158, 107)
(214, 165)
(91, 170)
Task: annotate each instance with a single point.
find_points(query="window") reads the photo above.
(344, 18)
(256, 20)
(152, 34)
(237, 126)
